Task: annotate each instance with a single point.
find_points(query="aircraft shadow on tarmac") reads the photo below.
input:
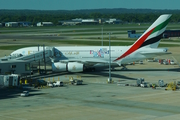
(170, 69)
(51, 74)
(100, 73)
(103, 73)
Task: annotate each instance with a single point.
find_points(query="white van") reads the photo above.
(58, 83)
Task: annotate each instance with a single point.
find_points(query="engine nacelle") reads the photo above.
(59, 67)
(75, 67)
(71, 67)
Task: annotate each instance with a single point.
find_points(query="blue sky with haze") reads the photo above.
(88, 4)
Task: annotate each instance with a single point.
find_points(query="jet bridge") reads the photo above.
(40, 55)
(18, 64)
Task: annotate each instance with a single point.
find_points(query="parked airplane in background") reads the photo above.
(77, 59)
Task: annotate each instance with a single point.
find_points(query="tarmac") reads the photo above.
(96, 99)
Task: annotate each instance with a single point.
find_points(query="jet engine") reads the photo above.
(75, 67)
(71, 67)
(59, 67)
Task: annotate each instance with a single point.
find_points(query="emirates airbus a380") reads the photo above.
(79, 58)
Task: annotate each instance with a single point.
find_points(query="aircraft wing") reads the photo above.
(155, 53)
(86, 61)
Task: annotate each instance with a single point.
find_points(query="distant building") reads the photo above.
(171, 33)
(24, 24)
(113, 21)
(3, 24)
(100, 21)
(11, 24)
(79, 21)
(90, 21)
(166, 34)
(132, 34)
(45, 24)
(69, 22)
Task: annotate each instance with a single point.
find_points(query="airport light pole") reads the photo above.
(110, 80)
(102, 34)
(44, 58)
(39, 60)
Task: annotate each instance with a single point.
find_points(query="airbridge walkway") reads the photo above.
(19, 64)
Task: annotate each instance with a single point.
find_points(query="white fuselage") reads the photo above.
(96, 54)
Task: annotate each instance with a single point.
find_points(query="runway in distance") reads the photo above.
(80, 58)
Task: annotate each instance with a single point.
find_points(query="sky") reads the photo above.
(88, 4)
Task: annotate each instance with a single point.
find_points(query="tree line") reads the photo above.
(35, 16)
